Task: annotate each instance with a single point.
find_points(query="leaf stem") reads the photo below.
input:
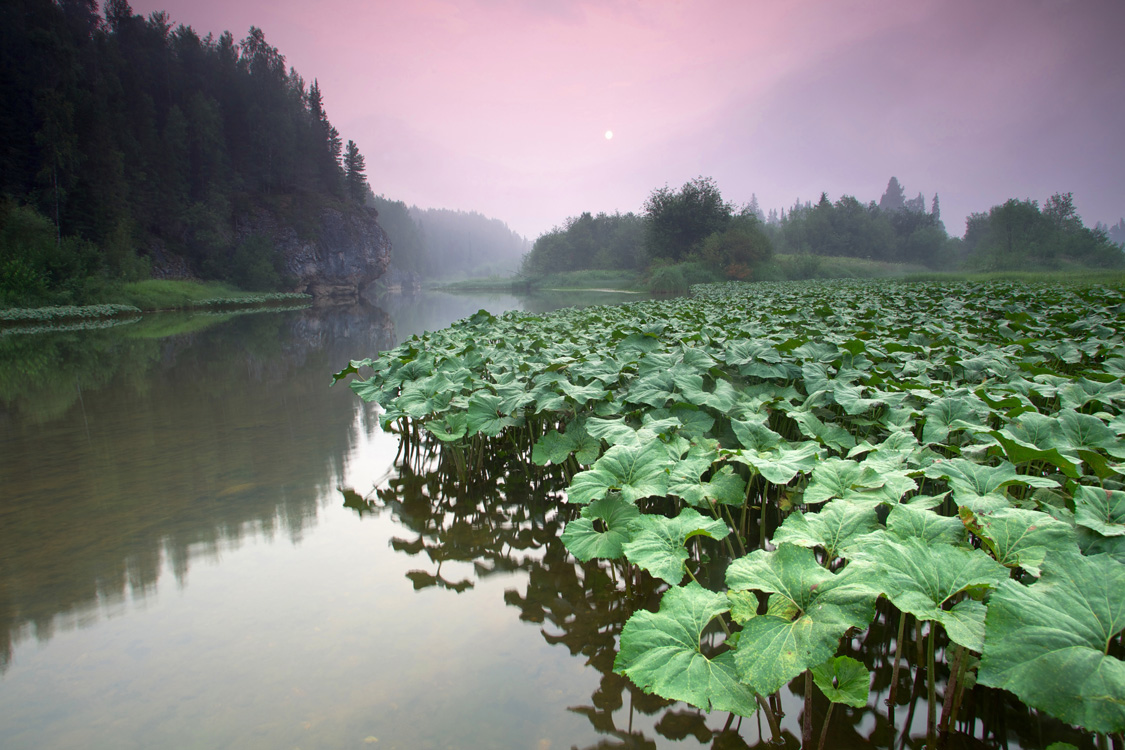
(824, 729)
(931, 696)
(775, 729)
(806, 720)
(898, 659)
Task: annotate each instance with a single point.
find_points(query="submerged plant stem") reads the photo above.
(806, 720)
(931, 695)
(775, 729)
(898, 659)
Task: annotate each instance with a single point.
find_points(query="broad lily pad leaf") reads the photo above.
(1100, 510)
(602, 530)
(1020, 452)
(634, 471)
(1020, 537)
(660, 652)
(1089, 432)
(810, 610)
(1047, 642)
(450, 427)
(657, 543)
(906, 521)
(484, 415)
(981, 487)
(844, 680)
(850, 480)
(950, 413)
(919, 578)
(780, 464)
(830, 434)
(850, 397)
(555, 447)
(836, 525)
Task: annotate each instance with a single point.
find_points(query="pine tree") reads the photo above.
(354, 169)
(894, 199)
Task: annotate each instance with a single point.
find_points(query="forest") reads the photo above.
(695, 224)
(130, 143)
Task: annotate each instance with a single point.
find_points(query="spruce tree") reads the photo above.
(354, 176)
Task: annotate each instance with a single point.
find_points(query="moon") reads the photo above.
(609, 135)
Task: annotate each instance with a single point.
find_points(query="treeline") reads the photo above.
(121, 132)
(442, 243)
(694, 223)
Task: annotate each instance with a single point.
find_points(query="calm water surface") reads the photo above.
(178, 568)
(203, 545)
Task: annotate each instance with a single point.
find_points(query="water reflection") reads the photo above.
(132, 454)
(485, 504)
(126, 449)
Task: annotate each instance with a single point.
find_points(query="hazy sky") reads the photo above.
(502, 106)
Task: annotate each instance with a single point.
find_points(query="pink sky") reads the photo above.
(501, 106)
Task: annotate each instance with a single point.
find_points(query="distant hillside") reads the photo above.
(441, 243)
(132, 146)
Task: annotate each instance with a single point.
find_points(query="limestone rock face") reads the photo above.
(350, 251)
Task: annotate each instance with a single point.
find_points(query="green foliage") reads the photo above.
(678, 221)
(588, 242)
(255, 265)
(843, 680)
(133, 134)
(661, 652)
(980, 421)
(809, 610)
(738, 251)
(1017, 236)
(1048, 642)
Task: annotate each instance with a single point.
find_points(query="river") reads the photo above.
(178, 567)
(205, 545)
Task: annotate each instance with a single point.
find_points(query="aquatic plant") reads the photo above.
(953, 449)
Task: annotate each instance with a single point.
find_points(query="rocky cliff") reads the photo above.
(349, 252)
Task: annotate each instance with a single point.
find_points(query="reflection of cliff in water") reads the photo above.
(122, 453)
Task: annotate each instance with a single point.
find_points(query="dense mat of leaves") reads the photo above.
(954, 448)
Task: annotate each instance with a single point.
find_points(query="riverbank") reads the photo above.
(153, 296)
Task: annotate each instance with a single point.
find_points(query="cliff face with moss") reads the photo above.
(345, 252)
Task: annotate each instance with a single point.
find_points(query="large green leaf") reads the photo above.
(905, 521)
(832, 529)
(660, 652)
(1088, 432)
(633, 470)
(657, 543)
(485, 416)
(1020, 537)
(1100, 510)
(602, 529)
(920, 579)
(810, 610)
(843, 680)
(780, 464)
(1048, 642)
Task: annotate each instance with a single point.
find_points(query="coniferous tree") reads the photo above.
(354, 176)
(894, 199)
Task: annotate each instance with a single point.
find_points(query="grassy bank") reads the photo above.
(154, 295)
(586, 279)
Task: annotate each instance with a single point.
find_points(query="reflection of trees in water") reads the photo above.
(500, 514)
(489, 507)
(121, 454)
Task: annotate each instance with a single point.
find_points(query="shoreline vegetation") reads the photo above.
(678, 278)
(153, 296)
